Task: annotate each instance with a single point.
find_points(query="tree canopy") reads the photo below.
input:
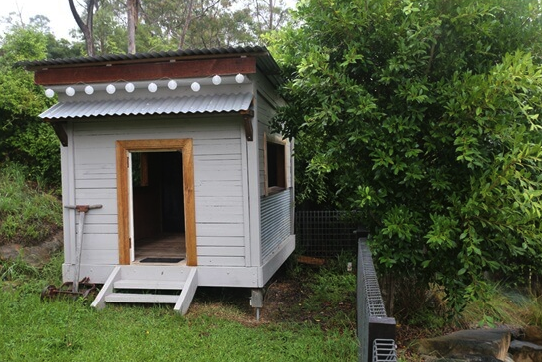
(424, 116)
(109, 26)
(24, 138)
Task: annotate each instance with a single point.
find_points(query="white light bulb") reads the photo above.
(217, 80)
(129, 87)
(239, 78)
(89, 89)
(172, 84)
(152, 87)
(49, 93)
(195, 87)
(70, 92)
(110, 89)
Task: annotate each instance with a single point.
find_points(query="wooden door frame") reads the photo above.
(185, 146)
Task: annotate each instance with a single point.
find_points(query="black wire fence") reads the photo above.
(326, 234)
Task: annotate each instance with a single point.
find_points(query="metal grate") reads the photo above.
(325, 234)
(373, 323)
(384, 350)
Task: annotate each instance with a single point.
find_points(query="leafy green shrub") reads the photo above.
(27, 216)
(425, 117)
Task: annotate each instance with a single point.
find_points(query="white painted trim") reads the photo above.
(246, 192)
(68, 196)
(254, 191)
(99, 301)
(208, 276)
(189, 289)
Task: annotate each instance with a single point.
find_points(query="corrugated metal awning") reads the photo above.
(150, 106)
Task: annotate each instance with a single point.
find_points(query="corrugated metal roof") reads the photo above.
(156, 106)
(268, 64)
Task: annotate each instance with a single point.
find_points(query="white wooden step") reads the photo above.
(154, 272)
(148, 284)
(140, 298)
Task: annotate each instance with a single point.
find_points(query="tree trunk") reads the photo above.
(133, 17)
(271, 12)
(86, 29)
(182, 38)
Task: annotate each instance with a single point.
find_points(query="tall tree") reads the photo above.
(133, 19)
(424, 115)
(86, 28)
(269, 15)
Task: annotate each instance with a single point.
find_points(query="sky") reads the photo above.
(58, 12)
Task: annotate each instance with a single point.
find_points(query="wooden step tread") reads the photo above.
(140, 298)
(148, 284)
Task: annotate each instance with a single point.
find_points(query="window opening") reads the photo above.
(276, 167)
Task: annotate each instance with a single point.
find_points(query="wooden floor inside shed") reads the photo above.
(162, 246)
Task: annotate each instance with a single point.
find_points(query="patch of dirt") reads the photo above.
(285, 300)
(37, 255)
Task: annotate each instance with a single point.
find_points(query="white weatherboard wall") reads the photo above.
(218, 184)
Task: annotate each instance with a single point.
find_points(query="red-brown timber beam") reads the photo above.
(145, 71)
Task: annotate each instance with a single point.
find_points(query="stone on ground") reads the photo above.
(478, 343)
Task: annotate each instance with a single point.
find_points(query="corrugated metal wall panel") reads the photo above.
(275, 221)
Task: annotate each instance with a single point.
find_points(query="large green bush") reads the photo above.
(24, 138)
(424, 115)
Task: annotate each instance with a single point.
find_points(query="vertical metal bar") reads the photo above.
(78, 250)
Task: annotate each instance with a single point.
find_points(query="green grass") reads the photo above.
(67, 330)
(28, 215)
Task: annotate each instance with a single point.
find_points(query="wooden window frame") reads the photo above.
(275, 140)
(185, 146)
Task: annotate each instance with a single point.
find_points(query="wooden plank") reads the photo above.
(221, 261)
(221, 251)
(222, 276)
(220, 241)
(189, 290)
(94, 156)
(98, 172)
(99, 301)
(219, 188)
(91, 219)
(136, 72)
(140, 298)
(149, 284)
(155, 272)
(219, 149)
(123, 204)
(246, 200)
(216, 229)
(253, 179)
(219, 214)
(100, 257)
(100, 241)
(218, 175)
(94, 183)
(232, 201)
(215, 157)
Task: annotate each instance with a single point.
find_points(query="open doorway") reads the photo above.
(158, 207)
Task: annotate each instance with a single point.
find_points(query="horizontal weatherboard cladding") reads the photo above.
(217, 186)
